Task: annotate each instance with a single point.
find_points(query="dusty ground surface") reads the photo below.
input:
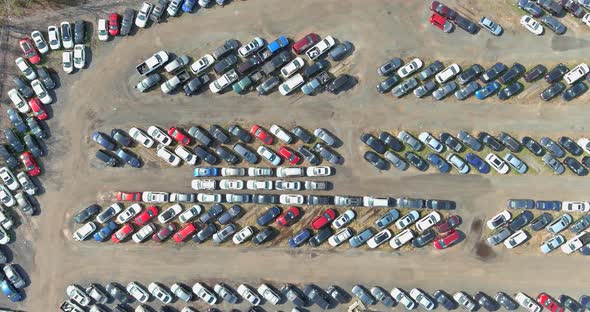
(102, 97)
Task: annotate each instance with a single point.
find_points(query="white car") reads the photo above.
(84, 231)
(25, 68)
(403, 299)
(370, 201)
(319, 171)
(281, 134)
(320, 48)
(499, 220)
(431, 141)
(269, 155)
(343, 219)
(379, 238)
(224, 81)
(516, 239)
(291, 84)
(340, 237)
(6, 196)
(203, 184)
(19, 101)
(40, 42)
(531, 25)
(9, 179)
(141, 137)
(259, 185)
(155, 197)
(41, 91)
(231, 184)
(465, 301)
(129, 213)
(527, 302)
(176, 64)
(66, 39)
(261, 172)
(574, 243)
(420, 297)
(102, 32)
(190, 213)
(160, 293)
(292, 67)
(497, 163)
(242, 235)
(410, 68)
(233, 172)
(167, 156)
(401, 239)
(67, 61)
(291, 199)
(159, 135)
(77, 294)
(143, 14)
(185, 155)
(138, 292)
(173, 7)
(209, 198)
(283, 172)
(586, 19)
(144, 233)
(79, 56)
(428, 221)
(109, 213)
(170, 213)
(281, 185)
(448, 73)
(269, 294)
(28, 185)
(251, 47)
(203, 63)
(457, 162)
(576, 73)
(249, 295)
(204, 293)
(581, 206)
(53, 37)
(407, 219)
(584, 142)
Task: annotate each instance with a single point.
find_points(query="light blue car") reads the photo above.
(552, 243)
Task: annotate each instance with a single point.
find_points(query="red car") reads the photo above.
(289, 155)
(185, 232)
(441, 23)
(179, 136)
(448, 224)
(323, 219)
(164, 233)
(38, 108)
(125, 196)
(261, 134)
(114, 24)
(443, 10)
(122, 233)
(305, 43)
(29, 50)
(447, 240)
(549, 303)
(288, 216)
(30, 164)
(146, 215)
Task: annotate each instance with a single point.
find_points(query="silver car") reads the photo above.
(554, 164)
(405, 87)
(467, 91)
(515, 163)
(458, 163)
(444, 90)
(410, 140)
(396, 161)
(224, 233)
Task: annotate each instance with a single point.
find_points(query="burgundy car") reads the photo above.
(164, 233)
(303, 44)
(443, 10)
(448, 224)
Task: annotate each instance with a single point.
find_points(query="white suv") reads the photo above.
(497, 163)
(293, 83)
(576, 73)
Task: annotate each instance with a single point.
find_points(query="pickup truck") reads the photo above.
(320, 48)
(158, 11)
(270, 49)
(276, 62)
(224, 81)
(70, 306)
(152, 63)
(175, 81)
(246, 83)
(317, 82)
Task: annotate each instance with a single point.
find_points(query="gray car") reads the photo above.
(410, 140)
(361, 238)
(340, 51)
(45, 78)
(552, 147)
(363, 294)
(17, 120)
(293, 295)
(554, 164)
(14, 276)
(246, 153)
(148, 82)
(444, 90)
(382, 296)
(127, 22)
(201, 135)
(431, 70)
(470, 141)
(424, 89)
(467, 91)
(266, 86)
(348, 201)
(396, 160)
(205, 233)
(325, 136)
(387, 219)
(580, 225)
(224, 233)
(33, 146)
(389, 67)
(405, 87)
(225, 293)
(553, 24)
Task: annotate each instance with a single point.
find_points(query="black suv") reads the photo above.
(556, 73)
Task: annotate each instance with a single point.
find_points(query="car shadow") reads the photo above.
(88, 57)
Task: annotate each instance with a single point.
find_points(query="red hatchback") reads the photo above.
(549, 303)
(179, 136)
(323, 219)
(288, 216)
(38, 108)
(305, 43)
(29, 50)
(185, 232)
(441, 23)
(289, 155)
(146, 215)
(122, 233)
(447, 240)
(30, 164)
(261, 134)
(114, 24)
(126, 196)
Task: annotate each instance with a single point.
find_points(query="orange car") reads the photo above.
(125, 196)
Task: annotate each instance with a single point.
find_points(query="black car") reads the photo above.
(510, 142)
(532, 145)
(553, 7)
(424, 239)
(512, 74)
(391, 141)
(219, 134)
(262, 236)
(327, 154)
(226, 48)
(570, 146)
(225, 64)
(423, 90)
(118, 292)
(319, 200)
(201, 135)
(268, 216)
(195, 84)
(387, 84)
(226, 155)
(9, 159)
(520, 221)
(510, 90)
(245, 152)
(373, 142)
(340, 51)
(553, 24)
(556, 73)
(45, 78)
(440, 204)
(14, 141)
(451, 142)
(317, 296)
(535, 73)
(490, 141)
(574, 91)
(573, 7)
(249, 65)
(541, 222)
(430, 70)
(121, 137)
(86, 213)
(552, 147)
(445, 300)
(107, 158)
(16, 120)
(267, 85)
(309, 156)
(229, 214)
(469, 74)
(339, 83)
(321, 236)
(485, 301)
(530, 7)
(466, 24)
(506, 301)
(127, 22)
(265, 199)
(570, 304)
(302, 134)
(575, 166)
(205, 233)
(33, 146)
(416, 161)
(79, 31)
(586, 161)
(552, 91)
(376, 160)
(389, 67)
(23, 87)
(240, 133)
(294, 295)
(315, 68)
(205, 155)
(493, 72)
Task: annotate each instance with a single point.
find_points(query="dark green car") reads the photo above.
(243, 85)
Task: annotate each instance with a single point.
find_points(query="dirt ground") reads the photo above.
(102, 97)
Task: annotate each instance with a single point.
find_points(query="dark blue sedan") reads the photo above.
(299, 238)
(478, 163)
(9, 291)
(548, 205)
(105, 232)
(438, 162)
(188, 5)
(487, 90)
(103, 140)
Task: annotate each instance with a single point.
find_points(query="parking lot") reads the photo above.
(102, 97)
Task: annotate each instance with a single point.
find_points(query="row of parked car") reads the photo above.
(549, 150)
(535, 10)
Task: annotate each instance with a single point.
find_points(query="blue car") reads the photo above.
(585, 300)
(9, 291)
(105, 232)
(206, 172)
(438, 162)
(268, 216)
(278, 44)
(548, 205)
(487, 90)
(103, 140)
(299, 238)
(188, 5)
(478, 163)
